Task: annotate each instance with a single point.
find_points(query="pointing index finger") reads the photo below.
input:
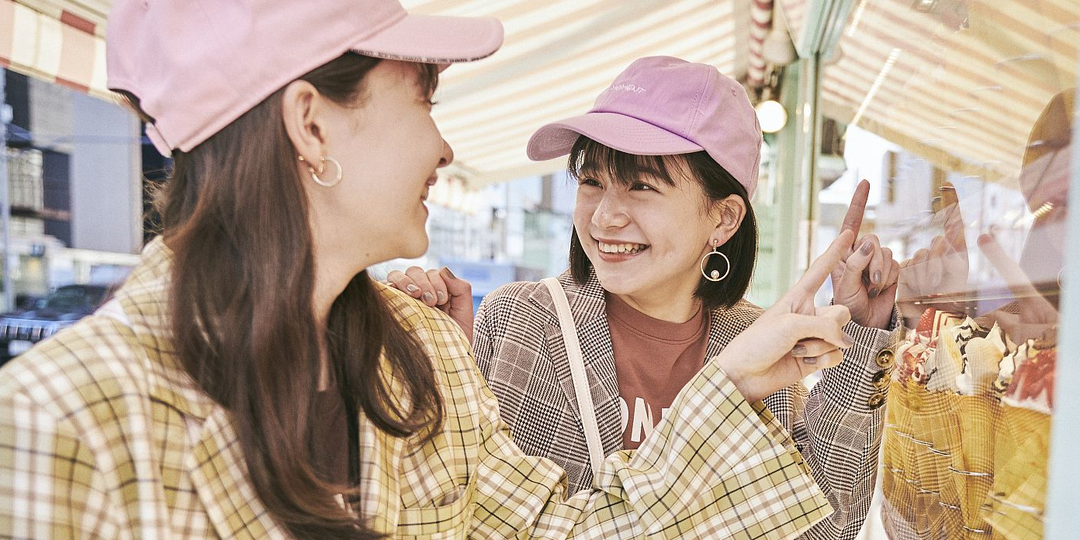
(854, 217)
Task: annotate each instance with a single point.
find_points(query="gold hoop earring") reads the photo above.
(315, 175)
(714, 275)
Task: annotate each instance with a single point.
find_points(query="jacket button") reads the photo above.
(885, 359)
(876, 400)
(881, 380)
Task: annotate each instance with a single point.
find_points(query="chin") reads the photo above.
(617, 283)
(416, 249)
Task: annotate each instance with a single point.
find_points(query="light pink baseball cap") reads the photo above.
(661, 106)
(198, 65)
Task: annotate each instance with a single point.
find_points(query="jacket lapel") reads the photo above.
(587, 307)
(218, 474)
(725, 324)
(216, 463)
(717, 338)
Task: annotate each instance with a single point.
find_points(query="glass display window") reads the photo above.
(960, 113)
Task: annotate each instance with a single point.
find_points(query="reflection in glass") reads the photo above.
(974, 105)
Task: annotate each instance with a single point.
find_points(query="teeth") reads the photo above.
(621, 248)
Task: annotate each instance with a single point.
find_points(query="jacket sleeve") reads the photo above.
(837, 428)
(716, 466)
(50, 485)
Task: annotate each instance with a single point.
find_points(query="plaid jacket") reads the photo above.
(102, 435)
(519, 347)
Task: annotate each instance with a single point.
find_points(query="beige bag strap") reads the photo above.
(577, 372)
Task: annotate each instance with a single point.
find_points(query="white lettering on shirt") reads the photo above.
(641, 421)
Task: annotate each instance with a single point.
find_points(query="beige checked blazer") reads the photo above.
(102, 435)
(519, 347)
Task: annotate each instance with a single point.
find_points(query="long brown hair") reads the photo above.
(235, 215)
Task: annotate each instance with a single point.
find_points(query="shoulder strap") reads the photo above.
(577, 372)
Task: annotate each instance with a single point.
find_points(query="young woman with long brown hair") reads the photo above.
(250, 380)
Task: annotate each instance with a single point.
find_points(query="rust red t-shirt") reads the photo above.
(654, 359)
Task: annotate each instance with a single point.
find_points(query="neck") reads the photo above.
(331, 278)
(676, 309)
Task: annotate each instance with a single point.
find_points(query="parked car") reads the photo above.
(40, 318)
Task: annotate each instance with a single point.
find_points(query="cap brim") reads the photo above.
(621, 132)
(433, 39)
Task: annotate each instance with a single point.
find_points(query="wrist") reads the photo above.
(725, 361)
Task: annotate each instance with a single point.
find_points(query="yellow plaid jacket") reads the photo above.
(103, 435)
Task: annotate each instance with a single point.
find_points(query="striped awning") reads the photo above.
(958, 82)
(59, 41)
(557, 57)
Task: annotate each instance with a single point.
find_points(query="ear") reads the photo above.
(301, 106)
(729, 213)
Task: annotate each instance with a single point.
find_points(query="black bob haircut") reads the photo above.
(588, 156)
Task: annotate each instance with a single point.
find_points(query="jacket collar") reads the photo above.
(588, 307)
(144, 299)
(586, 300)
(216, 462)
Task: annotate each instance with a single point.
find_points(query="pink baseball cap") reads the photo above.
(661, 106)
(198, 65)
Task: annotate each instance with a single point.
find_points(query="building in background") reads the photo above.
(74, 173)
(510, 231)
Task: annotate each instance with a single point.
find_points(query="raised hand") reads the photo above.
(940, 270)
(792, 338)
(439, 289)
(865, 280)
(1034, 313)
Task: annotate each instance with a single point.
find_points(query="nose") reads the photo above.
(447, 154)
(611, 212)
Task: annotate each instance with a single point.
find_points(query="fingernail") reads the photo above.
(428, 297)
(877, 276)
(448, 272)
(848, 341)
(872, 293)
(798, 350)
(810, 360)
(442, 297)
(412, 288)
(866, 247)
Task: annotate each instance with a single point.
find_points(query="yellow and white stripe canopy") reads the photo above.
(963, 97)
(557, 57)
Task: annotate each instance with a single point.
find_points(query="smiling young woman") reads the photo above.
(661, 255)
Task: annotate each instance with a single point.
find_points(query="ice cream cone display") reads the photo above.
(1032, 384)
(922, 501)
(1017, 499)
(967, 431)
(972, 468)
